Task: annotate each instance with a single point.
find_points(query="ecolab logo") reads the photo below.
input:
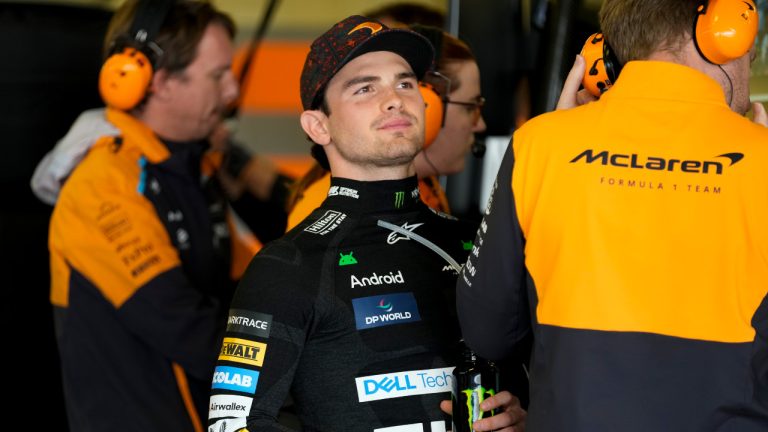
(375, 279)
(636, 161)
(229, 406)
(232, 378)
(400, 384)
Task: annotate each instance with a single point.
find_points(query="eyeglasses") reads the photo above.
(471, 107)
(441, 84)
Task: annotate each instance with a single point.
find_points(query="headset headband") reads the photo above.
(147, 22)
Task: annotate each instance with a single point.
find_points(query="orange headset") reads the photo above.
(724, 30)
(434, 113)
(434, 88)
(126, 75)
(602, 67)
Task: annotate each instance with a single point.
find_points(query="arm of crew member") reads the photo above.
(571, 96)
(759, 115)
(173, 317)
(491, 289)
(267, 294)
(760, 353)
(111, 235)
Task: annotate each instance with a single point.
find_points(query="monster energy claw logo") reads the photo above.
(399, 199)
(475, 397)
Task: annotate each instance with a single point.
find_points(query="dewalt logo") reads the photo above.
(243, 351)
(636, 161)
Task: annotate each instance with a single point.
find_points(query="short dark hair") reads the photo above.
(409, 13)
(179, 35)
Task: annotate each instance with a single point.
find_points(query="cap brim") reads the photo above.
(411, 46)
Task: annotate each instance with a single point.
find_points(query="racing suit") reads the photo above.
(429, 189)
(634, 250)
(355, 320)
(140, 268)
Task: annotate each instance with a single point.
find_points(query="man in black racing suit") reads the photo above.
(353, 310)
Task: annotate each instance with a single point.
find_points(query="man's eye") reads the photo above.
(362, 90)
(407, 85)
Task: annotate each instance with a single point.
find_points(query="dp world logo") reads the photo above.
(384, 307)
(380, 311)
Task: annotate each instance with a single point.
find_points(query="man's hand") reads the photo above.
(571, 96)
(759, 115)
(511, 417)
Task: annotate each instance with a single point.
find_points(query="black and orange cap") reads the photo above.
(354, 36)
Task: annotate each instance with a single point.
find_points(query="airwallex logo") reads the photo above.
(378, 311)
(400, 384)
(225, 405)
(637, 161)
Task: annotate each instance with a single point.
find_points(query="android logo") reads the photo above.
(346, 259)
(467, 245)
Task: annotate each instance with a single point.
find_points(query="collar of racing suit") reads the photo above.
(354, 196)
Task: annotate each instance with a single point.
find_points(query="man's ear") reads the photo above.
(315, 125)
(160, 84)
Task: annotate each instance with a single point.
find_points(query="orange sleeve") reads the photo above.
(311, 199)
(106, 229)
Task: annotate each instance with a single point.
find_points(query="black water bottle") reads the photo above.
(474, 380)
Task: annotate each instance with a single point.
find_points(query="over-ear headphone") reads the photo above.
(125, 76)
(434, 112)
(602, 66)
(725, 29)
(434, 91)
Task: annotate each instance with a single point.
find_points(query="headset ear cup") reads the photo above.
(725, 29)
(124, 79)
(433, 113)
(597, 77)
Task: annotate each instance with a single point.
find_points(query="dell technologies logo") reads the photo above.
(636, 161)
(407, 383)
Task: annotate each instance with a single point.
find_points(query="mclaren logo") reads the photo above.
(636, 161)
(372, 26)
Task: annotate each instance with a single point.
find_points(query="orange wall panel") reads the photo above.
(272, 85)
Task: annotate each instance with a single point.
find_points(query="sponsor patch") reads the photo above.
(228, 425)
(237, 379)
(395, 237)
(376, 279)
(343, 191)
(243, 351)
(327, 223)
(378, 311)
(225, 405)
(252, 323)
(400, 384)
(348, 259)
(435, 426)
